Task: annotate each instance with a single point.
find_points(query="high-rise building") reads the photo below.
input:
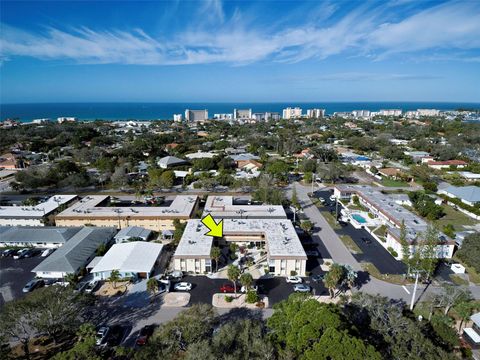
(242, 114)
(390, 112)
(315, 113)
(223, 116)
(361, 114)
(196, 115)
(177, 117)
(428, 112)
(292, 113)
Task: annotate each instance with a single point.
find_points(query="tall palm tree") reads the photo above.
(215, 254)
(246, 280)
(152, 286)
(233, 273)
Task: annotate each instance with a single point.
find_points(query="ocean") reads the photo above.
(165, 111)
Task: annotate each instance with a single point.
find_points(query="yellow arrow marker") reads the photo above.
(215, 229)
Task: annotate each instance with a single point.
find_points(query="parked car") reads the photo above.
(301, 288)
(342, 223)
(294, 280)
(81, 286)
(243, 289)
(322, 201)
(101, 336)
(317, 278)
(8, 252)
(32, 285)
(227, 288)
(20, 254)
(174, 275)
(49, 282)
(91, 286)
(183, 286)
(47, 252)
(332, 198)
(311, 252)
(31, 253)
(366, 240)
(144, 335)
(115, 335)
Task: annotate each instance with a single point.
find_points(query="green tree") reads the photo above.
(246, 279)
(464, 310)
(152, 286)
(339, 345)
(84, 348)
(233, 273)
(166, 180)
(215, 254)
(306, 226)
(334, 278)
(114, 277)
(469, 252)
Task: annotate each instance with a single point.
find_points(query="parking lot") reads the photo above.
(276, 288)
(371, 250)
(14, 274)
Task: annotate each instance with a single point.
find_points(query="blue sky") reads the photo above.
(218, 51)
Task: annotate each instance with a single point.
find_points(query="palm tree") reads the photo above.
(71, 279)
(246, 280)
(233, 274)
(152, 286)
(333, 278)
(215, 254)
(114, 278)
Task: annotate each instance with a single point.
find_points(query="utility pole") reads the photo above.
(414, 291)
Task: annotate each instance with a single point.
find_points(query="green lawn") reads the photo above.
(393, 183)
(454, 217)
(373, 271)
(350, 244)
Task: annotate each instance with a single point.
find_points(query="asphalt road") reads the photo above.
(14, 274)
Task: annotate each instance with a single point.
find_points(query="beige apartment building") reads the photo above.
(93, 211)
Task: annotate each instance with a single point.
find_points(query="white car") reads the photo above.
(252, 288)
(47, 252)
(294, 280)
(333, 198)
(183, 286)
(101, 335)
(301, 288)
(91, 286)
(20, 254)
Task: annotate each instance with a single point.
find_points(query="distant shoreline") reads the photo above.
(147, 111)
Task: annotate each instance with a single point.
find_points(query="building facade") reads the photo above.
(196, 115)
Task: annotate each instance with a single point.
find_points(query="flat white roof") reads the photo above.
(280, 236)
(472, 334)
(136, 257)
(222, 207)
(181, 207)
(37, 211)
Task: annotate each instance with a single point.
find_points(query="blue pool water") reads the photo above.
(359, 218)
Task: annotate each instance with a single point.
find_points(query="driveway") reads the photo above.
(372, 251)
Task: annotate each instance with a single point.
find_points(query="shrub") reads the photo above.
(371, 216)
(228, 298)
(293, 273)
(392, 251)
(251, 297)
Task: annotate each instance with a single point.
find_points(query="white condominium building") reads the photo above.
(315, 113)
(196, 115)
(292, 113)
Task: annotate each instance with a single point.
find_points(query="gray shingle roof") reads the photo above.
(168, 161)
(467, 193)
(77, 251)
(133, 231)
(44, 234)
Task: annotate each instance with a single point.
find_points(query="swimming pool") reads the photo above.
(359, 218)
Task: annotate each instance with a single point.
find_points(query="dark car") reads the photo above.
(31, 253)
(144, 335)
(317, 278)
(32, 285)
(8, 252)
(227, 288)
(115, 335)
(366, 240)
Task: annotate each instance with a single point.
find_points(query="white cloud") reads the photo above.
(364, 31)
